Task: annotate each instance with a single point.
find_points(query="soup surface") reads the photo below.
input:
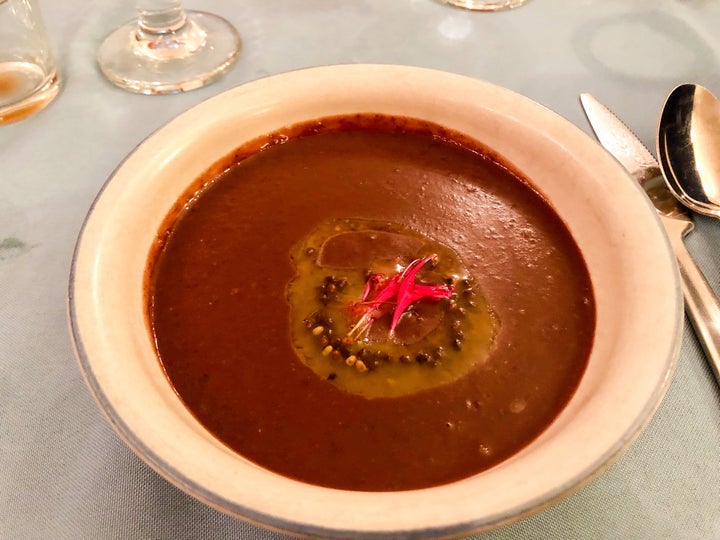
(273, 319)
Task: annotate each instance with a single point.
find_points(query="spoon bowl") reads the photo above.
(688, 148)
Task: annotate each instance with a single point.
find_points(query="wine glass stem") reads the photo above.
(160, 16)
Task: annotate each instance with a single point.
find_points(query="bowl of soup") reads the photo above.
(374, 301)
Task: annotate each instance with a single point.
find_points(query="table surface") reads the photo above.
(63, 471)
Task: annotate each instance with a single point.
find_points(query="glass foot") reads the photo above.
(189, 57)
(485, 5)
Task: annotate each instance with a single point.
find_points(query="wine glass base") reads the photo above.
(188, 58)
(485, 5)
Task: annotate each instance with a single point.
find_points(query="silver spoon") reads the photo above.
(688, 148)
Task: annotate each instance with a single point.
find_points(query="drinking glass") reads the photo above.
(168, 49)
(28, 73)
(485, 5)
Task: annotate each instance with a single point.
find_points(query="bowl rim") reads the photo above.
(273, 521)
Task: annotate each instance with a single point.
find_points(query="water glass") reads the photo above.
(28, 72)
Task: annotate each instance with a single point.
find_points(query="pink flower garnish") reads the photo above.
(401, 290)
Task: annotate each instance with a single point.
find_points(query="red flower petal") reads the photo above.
(404, 294)
(403, 289)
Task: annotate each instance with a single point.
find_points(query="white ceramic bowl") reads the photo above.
(639, 305)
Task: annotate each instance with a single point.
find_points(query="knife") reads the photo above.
(701, 303)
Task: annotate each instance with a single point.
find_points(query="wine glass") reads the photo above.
(485, 5)
(168, 49)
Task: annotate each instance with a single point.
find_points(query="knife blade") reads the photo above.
(632, 154)
(701, 303)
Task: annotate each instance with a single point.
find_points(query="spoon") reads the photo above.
(688, 148)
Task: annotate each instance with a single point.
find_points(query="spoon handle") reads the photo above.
(701, 303)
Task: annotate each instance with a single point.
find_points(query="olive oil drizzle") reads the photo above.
(379, 363)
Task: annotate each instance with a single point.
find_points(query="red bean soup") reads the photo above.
(370, 303)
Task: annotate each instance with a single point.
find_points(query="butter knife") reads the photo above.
(701, 303)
